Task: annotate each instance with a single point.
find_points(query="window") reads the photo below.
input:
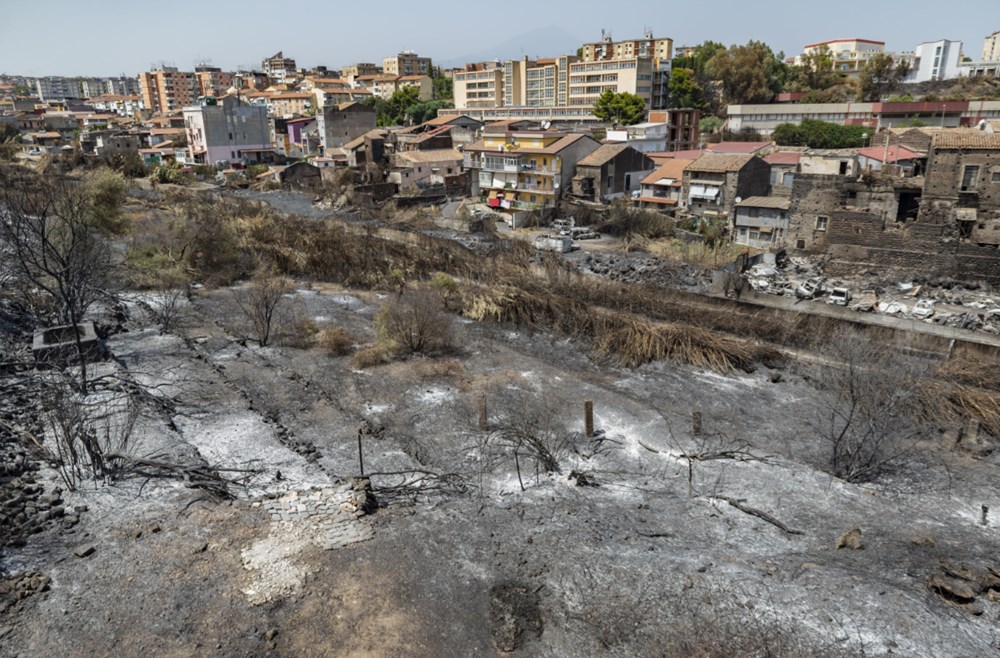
(970, 177)
(800, 244)
(611, 182)
(996, 177)
(821, 222)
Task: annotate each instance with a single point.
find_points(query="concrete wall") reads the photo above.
(339, 126)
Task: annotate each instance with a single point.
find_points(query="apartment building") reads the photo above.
(991, 48)
(279, 68)
(849, 55)
(478, 89)
(936, 60)
(522, 170)
(407, 63)
(166, 89)
(648, 47)
(57, 87)
(227, 130)
(349, 73)
(634, 75)
(212, 81)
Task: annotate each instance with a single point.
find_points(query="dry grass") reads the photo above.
(335, 341)
(371, 356)
(698, 254)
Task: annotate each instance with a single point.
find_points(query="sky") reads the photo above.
(104, 37)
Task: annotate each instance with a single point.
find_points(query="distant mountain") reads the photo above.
(548, 41)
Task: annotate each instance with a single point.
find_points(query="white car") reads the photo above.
(924, 308)
(839, 296)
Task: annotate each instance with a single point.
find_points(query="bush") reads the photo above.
(368, 357)
(415, 322)
(335, 340)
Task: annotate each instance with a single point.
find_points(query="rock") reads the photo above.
(851, 539)
(271, 634)
(85, 550)
(953, 590)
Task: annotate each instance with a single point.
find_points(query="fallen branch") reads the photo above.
(652, 450)
(753, 511)
(195, 477)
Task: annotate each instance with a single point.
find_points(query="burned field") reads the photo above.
(402, 465)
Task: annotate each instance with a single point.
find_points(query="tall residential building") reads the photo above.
(634, 75)
(166, 89)
(279, 68)
(122, 86)
(212, 81)
(407, 63)
(936, 60)
(483, 88)
(227, 130)
(59, 87)
(991, 48)
(647, 47)
(849, 55)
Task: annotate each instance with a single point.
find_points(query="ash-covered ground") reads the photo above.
(643, 540)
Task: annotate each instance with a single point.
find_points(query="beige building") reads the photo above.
(648, 47)
(634, 75)
(349, 73)
(991, 48)
(849, 55)
(407, 63)
(478, 88)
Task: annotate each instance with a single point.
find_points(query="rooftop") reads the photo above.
(721, 163)
(672, 170)
(967, 139)
(891, 154)
(737, 147)
(777, 203)
(784, 158)
(602, 155)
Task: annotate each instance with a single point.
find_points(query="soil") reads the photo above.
(471, 550)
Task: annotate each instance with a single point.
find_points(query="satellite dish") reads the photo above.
(739, 199)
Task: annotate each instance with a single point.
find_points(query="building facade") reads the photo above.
(936, 60)
(279, 68)
(991, 48)
(227, 130)
(407, 63)
(213, 81)
(340, 124)
(166, 89)
(524, 170)
(849, 55)
(647, 47)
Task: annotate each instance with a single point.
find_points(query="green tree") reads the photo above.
(819, 135)
(881, 76)
(685, 90)
(425, 111)
(105, 190)
(816, 72)
(748, 74)
(698, 60)
(710, 124)
(621, 109)
(444, 88)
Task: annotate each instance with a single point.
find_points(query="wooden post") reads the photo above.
(361, 457)
(986, 513)
(588, 417)
(696, 423)
(482, 413)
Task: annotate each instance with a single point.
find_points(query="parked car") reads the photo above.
(583, 233)
(839, 296)
(924, 308)
(809, 289)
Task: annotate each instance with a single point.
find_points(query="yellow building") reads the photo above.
(518, 170)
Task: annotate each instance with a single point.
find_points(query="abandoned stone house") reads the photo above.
(946, 222)
(784, 167)
(340, 124)
(713, 182)
(761, 221)
(611, 172)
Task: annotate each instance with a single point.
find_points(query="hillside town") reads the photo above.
(639, 349)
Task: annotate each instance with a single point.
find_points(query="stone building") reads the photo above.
(962, 187)
(713, 182)
(344, 123)
(761, 221)
(611, 172)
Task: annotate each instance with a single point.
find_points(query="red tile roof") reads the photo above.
(784, 158)
(892, 154)
(737, 147)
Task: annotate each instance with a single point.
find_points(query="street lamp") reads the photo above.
(864, 139)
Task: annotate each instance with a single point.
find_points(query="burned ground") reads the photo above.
(718, 544)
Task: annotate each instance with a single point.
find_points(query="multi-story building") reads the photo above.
(340, 124)
(349, 73)
(166, 89)
(634, 75)
(936, 60)
(991, 48)
(226, 130)
(482, 88)
(647, 47)
(524, 169)
(849, 55)
(279, 68)
(212, 81)
(122, 86)
(55, 87)
(407, 63)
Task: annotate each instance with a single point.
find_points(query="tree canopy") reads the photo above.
(685, 89)
(621, 109)
(752, 73)
(403, 107)
(881, 76)
(819, 135)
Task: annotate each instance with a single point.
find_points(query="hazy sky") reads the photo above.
(101, 37)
